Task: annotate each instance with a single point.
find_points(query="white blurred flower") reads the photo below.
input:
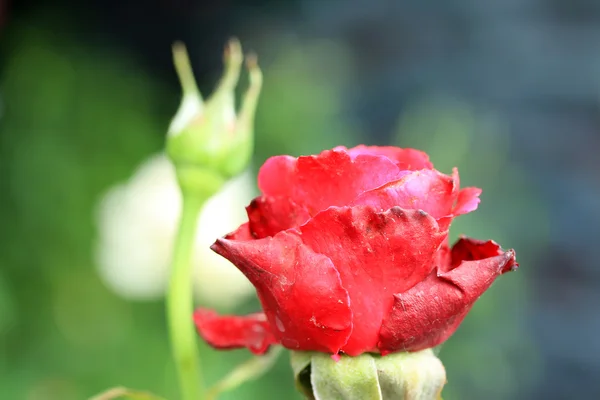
(137, 222)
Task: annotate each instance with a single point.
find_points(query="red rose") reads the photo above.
(348, 253)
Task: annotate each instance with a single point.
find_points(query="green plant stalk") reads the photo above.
(252, 369)
(180, 306)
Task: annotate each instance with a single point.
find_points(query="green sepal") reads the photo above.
(398, 376)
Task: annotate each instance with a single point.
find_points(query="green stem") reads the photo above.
(180, 305)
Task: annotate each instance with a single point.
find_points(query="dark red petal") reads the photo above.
(268, 215)
(377, 255)
(427, 190)
(406, 159)
(300, 290)
(467, 249)
(232, 332)
(332, 178)
(430, 312)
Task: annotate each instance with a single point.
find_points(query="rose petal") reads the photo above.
(467, 249)
(443, 257)
(300, 290)
(377, 255)
(275, 175)
(231, 332)
(427, 190)
(468, 200)
(405, 159)
(268, 215)
(431, 311)
(332, 178)
(241, 233)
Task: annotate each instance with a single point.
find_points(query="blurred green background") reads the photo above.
(86, 96)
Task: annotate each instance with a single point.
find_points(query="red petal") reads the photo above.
(431, 311)
(332, 178)
(269, 215)
(468, 200)
(232, 332)
(377, 255)
(275, 174)
(410, 159)
(427, 190)
(241, 233)
(300, 290)
(443, 257)
(467, 249)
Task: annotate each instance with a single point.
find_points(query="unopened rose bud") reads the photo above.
(207, 141)
(398, 376)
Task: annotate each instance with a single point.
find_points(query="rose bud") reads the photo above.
(207, 141)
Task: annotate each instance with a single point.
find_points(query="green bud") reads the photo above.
(207, 141)
(398, 376)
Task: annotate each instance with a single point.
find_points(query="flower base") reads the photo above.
(399, 376)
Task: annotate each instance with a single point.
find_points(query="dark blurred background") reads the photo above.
(506, 90)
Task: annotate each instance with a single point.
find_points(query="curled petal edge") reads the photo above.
(405, 158)
(430, 312)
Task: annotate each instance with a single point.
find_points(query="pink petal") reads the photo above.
(276, 174)
(406, 159)
(377, 255)
(269, 215)
(430, 312)
(468, 200)
(427, 190)
(300, 290)
(332, 178)
(232, 332)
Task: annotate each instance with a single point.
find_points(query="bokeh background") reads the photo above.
(506, 90)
